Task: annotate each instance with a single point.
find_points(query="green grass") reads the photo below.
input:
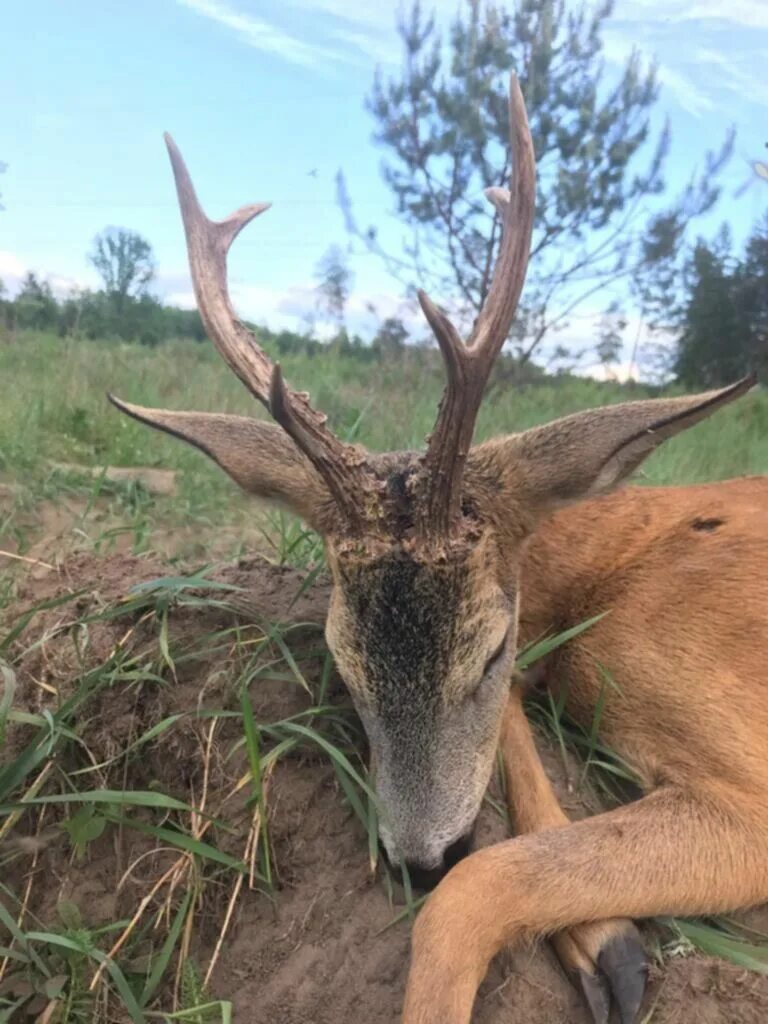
(141, 966)
(55, 410)
(131, 965)
(55, 407)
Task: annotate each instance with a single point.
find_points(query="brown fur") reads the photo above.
(424, 634)
(432, 556)
(682, 573)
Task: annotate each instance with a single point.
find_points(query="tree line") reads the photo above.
(722, 321)
(606, 228)
(712, 310)
(124, 309)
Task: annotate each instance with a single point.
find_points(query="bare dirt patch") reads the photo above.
(117, 510)
(320, 951)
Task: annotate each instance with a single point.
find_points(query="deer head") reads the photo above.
(423, 547)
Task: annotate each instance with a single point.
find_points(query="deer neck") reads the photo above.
(571, 555)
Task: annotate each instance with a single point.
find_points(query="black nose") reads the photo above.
(424, 879)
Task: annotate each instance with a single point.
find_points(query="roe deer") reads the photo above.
(443, 561)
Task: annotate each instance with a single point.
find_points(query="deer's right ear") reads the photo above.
(590, 453)
(258, 456)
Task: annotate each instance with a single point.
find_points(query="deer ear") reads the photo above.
(590, 453)
(258, 456)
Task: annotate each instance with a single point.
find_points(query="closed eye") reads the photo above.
(496, 657)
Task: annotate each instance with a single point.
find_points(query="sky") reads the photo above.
(266, 99)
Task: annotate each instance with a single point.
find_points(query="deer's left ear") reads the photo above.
(258, 456)
(590, 453)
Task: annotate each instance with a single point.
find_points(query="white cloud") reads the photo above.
(174, 282)
(379, 17)
(62, 284)
(328, 31)
(368, 28)
(13, 270)
(261, 34)
(734, 73)
(688, 95)
(383, 48)
(182, 299)
(706, 53)
(617, 46)
(296, 307)
(356, 33)
(749, 13)
(11, 267)
(621, 372)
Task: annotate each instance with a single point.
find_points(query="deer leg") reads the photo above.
(605, 957)
(673, 852)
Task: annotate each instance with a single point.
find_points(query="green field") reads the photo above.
(131, 697)
(54, 411)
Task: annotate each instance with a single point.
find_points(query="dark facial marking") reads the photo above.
(707, 525)
(407, 615)
(400, 502)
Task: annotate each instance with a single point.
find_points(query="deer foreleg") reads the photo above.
(670, 853)
(606, 957)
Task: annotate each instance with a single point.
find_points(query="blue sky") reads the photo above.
(260, 93)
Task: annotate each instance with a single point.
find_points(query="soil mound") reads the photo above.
(323, 949)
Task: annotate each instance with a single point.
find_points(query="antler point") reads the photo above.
(500, 197)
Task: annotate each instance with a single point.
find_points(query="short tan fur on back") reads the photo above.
(445, 561)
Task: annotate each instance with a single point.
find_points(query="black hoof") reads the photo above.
(596, 993)
(623, 964)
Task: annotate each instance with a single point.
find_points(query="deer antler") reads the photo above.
(341, 466)
(468, 366)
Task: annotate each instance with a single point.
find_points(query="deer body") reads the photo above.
(682, 573)
(442, 561)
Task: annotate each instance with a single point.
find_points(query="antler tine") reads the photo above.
(208, 243)
(516, 207)
(468, 366)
